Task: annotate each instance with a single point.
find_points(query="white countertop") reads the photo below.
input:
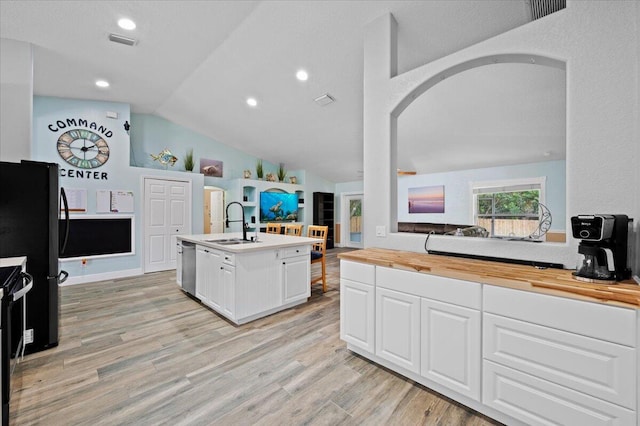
(265, 241)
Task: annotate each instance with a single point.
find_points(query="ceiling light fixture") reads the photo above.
(126, 24)
(252, 102)
(302, 75)
(102, 83)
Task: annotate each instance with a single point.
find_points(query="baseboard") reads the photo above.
(83, 279)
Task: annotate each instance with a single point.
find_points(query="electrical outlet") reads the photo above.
(381, 231)
(28, 336)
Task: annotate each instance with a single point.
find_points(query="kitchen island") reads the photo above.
(247, 280)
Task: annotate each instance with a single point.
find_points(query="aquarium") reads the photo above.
(278, 207)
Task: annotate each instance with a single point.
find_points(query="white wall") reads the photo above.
(598, 40)
(16, 99)
(459, 200)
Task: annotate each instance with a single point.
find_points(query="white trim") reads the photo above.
(83, 279)
(344, 218)
(536, 180)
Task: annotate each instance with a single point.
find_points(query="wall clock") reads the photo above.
(83, 148)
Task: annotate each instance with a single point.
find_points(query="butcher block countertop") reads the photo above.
(558, 282)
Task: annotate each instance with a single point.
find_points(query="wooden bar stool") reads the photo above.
(274, 228)
(319, 251)
(294, 229)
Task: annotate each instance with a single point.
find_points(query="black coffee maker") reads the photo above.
(604, 247)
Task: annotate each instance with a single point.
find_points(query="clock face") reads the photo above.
(83, 148)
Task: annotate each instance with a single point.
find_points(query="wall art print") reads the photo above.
(426, 199)
(211, 167)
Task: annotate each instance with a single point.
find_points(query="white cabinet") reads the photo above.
(520, 357)
(357, 304)
(295, 278)
(228, 289)
(446, 348)
(208, 277)
(398, 328)
(554, 365)
(296, 273)
(450, 346)
(246, 286)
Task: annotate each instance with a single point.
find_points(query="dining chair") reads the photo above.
(273, 228)
(319, 251)
(294, 229)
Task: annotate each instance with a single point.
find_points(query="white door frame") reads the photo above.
(143, 213)
(345, 219)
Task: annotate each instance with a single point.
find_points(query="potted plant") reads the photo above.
(282, 173)
(188, 161)
(259, 171)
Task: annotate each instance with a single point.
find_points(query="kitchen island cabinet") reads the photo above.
(521, 345)
(250, 280)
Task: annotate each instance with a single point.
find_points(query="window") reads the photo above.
(508, 208)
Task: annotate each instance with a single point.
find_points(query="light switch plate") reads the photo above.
(381, 231)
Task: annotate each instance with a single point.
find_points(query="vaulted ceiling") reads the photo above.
(196, 62)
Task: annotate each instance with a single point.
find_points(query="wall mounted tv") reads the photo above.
(98, 236)
(278, 207)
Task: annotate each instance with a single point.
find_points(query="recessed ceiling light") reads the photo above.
(102, 83)
(302, 75)
(252, 102)
(126, 24)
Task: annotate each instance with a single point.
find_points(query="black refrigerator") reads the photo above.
(29, 226)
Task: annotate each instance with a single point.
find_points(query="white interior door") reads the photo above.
(217, 212)
(352, 210)
(167, 213)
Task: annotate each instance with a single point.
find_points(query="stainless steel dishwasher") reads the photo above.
(187, 266)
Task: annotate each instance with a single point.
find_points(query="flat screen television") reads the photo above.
(278, 207)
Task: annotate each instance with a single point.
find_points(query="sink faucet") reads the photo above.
(245, 225)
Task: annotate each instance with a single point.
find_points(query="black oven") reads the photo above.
(15, 284)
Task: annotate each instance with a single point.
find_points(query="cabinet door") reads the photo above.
(357, 314)
(398, 328)
(227, 284)
(208, 287)
(450, 346)
(295, 276)
(201, 274)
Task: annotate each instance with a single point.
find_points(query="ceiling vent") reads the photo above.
(541, 8)
(122, 39)
(325, 99)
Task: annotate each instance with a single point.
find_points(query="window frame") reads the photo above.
(493, 186)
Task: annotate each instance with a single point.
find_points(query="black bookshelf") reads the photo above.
(323, 213)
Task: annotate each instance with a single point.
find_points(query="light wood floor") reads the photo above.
(139, 351)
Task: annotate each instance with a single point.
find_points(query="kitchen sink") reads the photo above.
(231, 241)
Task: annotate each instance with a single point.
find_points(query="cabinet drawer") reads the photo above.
(538, 402)
(448, 290)
(295, 251)
(228, 258)
(356, 271)
(598, 368)
(610, 323)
